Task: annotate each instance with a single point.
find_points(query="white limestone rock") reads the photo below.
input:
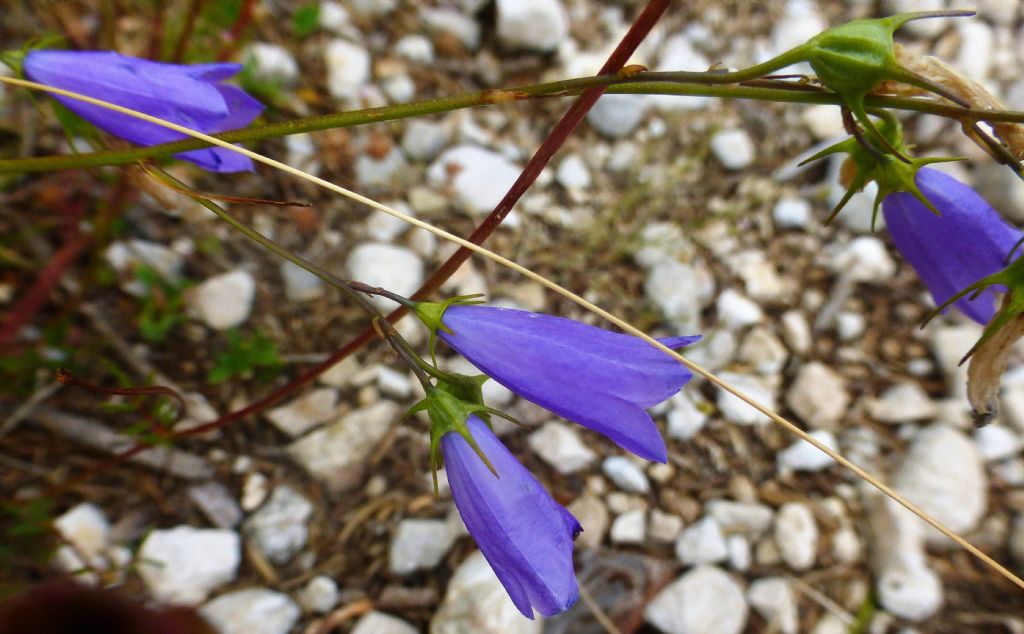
(320, 595)
(182, 565)
(394, 268)
(702, 601)
(420, 544)
(750, 519)
(475, 601)
(796, 534)
(818, 396)
(803, 456)
(702, 543)
(374, 622)
(615, 116)
(252, 611)
(305, 412)
(535, 25)
(733, 148)
(478, 177)
(224, 301)
(902, 403)
(272, 63)
(737, 411)
(626, 475)
(348, 69)
(336, 454)
(560, 446)
(775, 601)
(629, 528)
(278, 528)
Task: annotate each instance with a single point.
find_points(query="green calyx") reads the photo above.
(431, 313)
(1012, 277)
(853, 58)
(448, 413)
(891, 173)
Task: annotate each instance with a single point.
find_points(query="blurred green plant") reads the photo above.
(26, 532)
(306, 19)
(245, 357)
(163, 304)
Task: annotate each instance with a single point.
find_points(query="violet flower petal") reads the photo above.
(525, 535)
(597, 378)
(949, 253)
(188, 95)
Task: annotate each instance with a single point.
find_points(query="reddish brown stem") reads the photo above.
(641, 27)
(237, 30)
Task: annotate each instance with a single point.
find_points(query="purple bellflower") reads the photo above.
(190, 95)
(597, 378)
(525, 535)
(950, 252)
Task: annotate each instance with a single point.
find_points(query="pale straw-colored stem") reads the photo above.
(792, 428)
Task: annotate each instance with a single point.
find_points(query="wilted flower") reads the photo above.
(950, 252)
(189, 95)
(597, 378)
(523, 533)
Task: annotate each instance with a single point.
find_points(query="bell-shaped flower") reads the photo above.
(191, 95)
(951, 251)
(525, 535)
(591, 376)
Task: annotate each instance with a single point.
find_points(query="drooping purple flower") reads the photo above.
(191, 95)
(950, 252)
(523, 533)
(597, 378)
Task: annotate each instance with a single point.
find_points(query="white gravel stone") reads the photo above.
(348, 69)
(737, 411)
(382, 227)
(775, 601)
(818, 395)
(535, 25)
(420, 544)
(796, 534)
(476, 602)
(560, 446)
(949, 345)
(763, 351)
(615, 116)
(847, 546)
(678, 53)
(572, 173)
(920, 28)
(299, 284)
(997, 442)
(380, 174)
(254, 491)
(680, 291)
(375, 622)
(907, 587)
(664, 527)
(478, 177)
(761, 278)
(684, 419)
(741, 517)
(703, 601)
(902, 403)
(337, 453)
(394, 268)
(216, 503)
(86, 528)
(224, 301)
(702, 543)
(944, 475)
(792, 213)
(278, 528)
(850, 325)
(864, 259)
(415, 48)
(166, 261)
(319, 596)
(736, 310)
(976, 50)
(252, 611)
(1001, 188)
(452, 22)
(629, 528)
(424, 140)
(739, 552)
(593, 516)
(182, 565)
(823, 121)
(803, 456)
(796, 332)
(272, 63)
(305, 412)
(800, 22)
(733, 149)
(626, 474)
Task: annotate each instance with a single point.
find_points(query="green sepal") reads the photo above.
(448, 413)
(1013, 278)
(430, 313)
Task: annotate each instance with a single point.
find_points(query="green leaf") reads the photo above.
(306, 19)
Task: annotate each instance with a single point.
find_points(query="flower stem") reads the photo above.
(707, 84)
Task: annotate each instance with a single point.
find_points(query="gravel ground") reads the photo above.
(682, 215)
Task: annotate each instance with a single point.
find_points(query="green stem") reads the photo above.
(670, 83)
